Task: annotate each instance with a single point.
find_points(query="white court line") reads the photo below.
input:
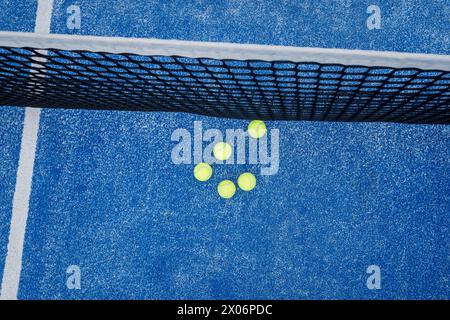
(21, 199)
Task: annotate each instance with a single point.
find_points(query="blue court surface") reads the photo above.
(107, 197)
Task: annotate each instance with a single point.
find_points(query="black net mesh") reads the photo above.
(250, 89)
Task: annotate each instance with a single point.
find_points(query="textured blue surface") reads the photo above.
(107, 197)
(17, 15)
(10, 133)
(415, 26)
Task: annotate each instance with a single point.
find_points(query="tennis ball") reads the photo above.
(226, 189)
(246, 181)
(202, 171)
(222, 151)
(257, 129)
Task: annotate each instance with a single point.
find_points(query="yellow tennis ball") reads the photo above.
(257, 129)
(226, 189)
(202, 171)
(222, 151)
(246, 181)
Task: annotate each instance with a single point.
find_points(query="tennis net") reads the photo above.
(223, 80)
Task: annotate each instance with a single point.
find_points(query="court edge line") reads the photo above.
(24, 177)
(224, 50)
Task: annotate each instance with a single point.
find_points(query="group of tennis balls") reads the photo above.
(222, 151)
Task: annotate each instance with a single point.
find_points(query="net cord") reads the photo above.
(219, 50)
